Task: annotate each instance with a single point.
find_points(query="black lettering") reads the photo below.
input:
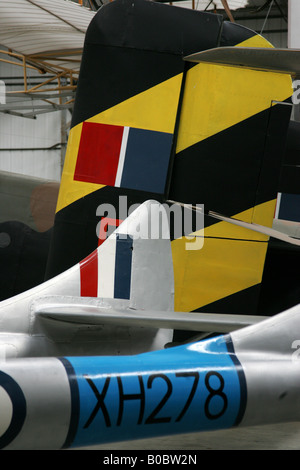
(213, 393)
(152, 419)
(191, 395)
(100, 402)
(131, 396)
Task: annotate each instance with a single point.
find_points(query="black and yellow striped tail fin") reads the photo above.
(149, 125)
(230, 144)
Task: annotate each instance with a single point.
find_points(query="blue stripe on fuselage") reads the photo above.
(187, 388)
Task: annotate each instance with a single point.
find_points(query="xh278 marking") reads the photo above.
(214, 389)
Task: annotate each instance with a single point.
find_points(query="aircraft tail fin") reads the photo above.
(230, 144)
(134, 262)
(124, 115)
(149, 125)
(131, 270)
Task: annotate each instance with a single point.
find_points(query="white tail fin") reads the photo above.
(134, 263)
(130, 269)
(129, 265)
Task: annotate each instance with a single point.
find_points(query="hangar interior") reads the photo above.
(37, 91)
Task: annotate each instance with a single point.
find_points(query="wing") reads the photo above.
(92, 311)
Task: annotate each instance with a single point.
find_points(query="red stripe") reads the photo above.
(89, 276)
(98, 154)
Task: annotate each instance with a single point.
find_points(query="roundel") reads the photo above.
(12, 409)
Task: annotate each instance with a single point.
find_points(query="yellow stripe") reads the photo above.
(71, 190)
(154, 109)
(218, 97)
(221, 268)
(232, 259)
(255, 41)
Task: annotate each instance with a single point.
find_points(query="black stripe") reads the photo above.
(235, 169)
(242, 379)
(244, 302)
(233, 34)
(75, 403)
(110, 75)
(280, 288)
(274, 150)
(123, 266)
(290, 179)
(131, 46)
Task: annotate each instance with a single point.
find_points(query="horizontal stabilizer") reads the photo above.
(293, 239)
(103, 311)
(261, 58)
(288, 227)
(269, 232)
